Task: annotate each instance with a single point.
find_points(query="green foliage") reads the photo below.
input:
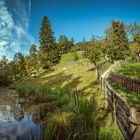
(5, 73)
(32, 62)
(133, 31)
(48, 52)
(135, 49)
(4, 66)
(72, 116)
(117, 41)
(75, 55)
(64, 44)
(19, 66)
(67, 114)
(94, 52)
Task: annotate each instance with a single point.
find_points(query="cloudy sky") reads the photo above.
(14, 25)
(20, 19)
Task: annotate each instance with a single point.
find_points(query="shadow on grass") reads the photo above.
(60, 80)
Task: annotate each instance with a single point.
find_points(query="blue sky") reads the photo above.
(20, 20)
(82, 18)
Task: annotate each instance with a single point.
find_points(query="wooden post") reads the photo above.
(137, 133)
(114, 108)
(135, 127)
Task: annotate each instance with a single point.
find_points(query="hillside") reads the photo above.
(81, 78)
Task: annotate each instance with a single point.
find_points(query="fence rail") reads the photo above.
(126, 117)
(123, 81)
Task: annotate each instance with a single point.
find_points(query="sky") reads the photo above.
(20, 20)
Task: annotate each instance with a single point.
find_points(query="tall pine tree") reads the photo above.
(48, 53)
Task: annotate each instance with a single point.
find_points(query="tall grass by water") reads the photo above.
(66, 114)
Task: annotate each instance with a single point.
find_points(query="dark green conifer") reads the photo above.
(48, 52)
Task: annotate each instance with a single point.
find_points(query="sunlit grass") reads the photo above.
(131, 70)
(67, 58)
(82, 113)
(131, 98)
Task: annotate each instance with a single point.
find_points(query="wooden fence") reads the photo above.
(131, 84)
(125, 116)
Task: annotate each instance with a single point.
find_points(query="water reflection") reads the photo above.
(15, 122)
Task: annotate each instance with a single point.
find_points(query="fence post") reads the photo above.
(135, 129)
(114, 108)
(137, 133)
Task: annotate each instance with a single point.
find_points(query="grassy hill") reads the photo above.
(82, 79)
(67, 58)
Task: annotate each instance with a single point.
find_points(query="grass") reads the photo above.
(67, 114)
(72, 76)
(73, 115)
(131, 98)
(79, 116)
(67, 58)
(131, 70)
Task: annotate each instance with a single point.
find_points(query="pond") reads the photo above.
(16, 123)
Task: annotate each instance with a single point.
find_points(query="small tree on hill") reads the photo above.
(64, 44)
(32, 60)
(134, 34)
(135, 49)
(19, 62)
(95, 54)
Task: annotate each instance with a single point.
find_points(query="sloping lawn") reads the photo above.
(132, 99)
(83, 79)
(131, 70)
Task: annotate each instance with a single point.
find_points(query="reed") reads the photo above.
(67, 114)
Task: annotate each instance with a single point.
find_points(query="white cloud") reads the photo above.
(3, 48)
(14, 23)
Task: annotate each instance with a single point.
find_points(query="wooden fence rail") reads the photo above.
(125, 116)
(123, 81)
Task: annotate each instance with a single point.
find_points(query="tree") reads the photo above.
(4, 67)
(48, 53)
(72, 41)
(64, 44)
(133, 31)
(134, 34)
(19, 62)
(5, 78)
(95, 52)
(33, 51)
(135, 49)
(117, 41)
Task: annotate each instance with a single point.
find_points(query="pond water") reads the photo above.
(15, 122)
